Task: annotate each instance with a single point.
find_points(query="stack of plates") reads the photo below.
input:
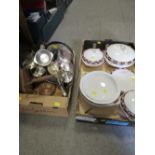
(128, 104)
(120, 55)
(93, 57)
(98, 88)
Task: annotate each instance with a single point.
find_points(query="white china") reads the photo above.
(93, 57)
(120, 55)
(99, 87)
(121, 52)
(128, 103)
(125, 79)
(118, 65)
(90, 102)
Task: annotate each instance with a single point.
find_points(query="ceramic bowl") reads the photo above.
(128, 103)
(93, 57)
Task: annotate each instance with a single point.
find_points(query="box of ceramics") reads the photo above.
(46, 80)
(106, 92)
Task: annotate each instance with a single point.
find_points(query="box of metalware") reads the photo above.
(44, 95)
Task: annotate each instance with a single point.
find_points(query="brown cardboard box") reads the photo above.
(85, 112)
(47, 105)
(55, 105)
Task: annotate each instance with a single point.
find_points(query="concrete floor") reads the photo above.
(43, 135)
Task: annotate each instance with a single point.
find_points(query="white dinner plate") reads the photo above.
(90, 102)
(99, 87)
(125, 79)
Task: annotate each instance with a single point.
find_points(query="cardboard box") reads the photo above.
(46, 105)
(105, 115)
(54, 105)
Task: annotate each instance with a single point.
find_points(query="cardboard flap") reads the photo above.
(43, 101)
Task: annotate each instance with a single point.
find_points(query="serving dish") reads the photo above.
(120, 55)
(93, 57)
(128, 104)
(118, 65)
